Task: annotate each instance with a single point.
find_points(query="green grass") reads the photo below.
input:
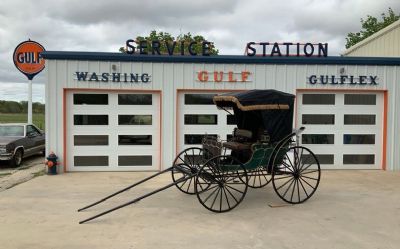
(4, 174)
(38, 118)
(39, 173)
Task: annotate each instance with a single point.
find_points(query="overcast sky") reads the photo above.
(105, 25)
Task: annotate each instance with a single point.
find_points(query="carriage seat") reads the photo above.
(241, 140)
(237, 146)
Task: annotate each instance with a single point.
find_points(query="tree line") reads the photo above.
(370, 26)
(20, 107)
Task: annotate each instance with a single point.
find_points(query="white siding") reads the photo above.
(169, 77)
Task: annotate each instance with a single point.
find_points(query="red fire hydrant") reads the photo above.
(51, 163)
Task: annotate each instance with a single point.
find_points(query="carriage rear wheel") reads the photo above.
(221, 184)
(190, 160)
(296, 175)
(258, 178)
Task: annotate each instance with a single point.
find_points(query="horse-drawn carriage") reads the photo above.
(263, 149)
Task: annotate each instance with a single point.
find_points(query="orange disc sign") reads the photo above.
(27, 58)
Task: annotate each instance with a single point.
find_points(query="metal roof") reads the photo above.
(225, 59)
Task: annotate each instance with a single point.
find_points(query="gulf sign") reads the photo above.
(27, 58)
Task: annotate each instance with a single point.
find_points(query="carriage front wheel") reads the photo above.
(296, 174)
(221, 184)
(190, 160)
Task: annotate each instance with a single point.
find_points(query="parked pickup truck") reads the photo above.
(18, 141)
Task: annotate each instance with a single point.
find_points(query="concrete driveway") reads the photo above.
(351, 209)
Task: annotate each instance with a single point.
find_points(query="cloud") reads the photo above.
(19, 92)
(103, 25)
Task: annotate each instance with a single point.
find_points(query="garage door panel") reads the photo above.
(133, 140)
(357, 129)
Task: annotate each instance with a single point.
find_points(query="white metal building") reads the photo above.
(119, 112)
(385, 42)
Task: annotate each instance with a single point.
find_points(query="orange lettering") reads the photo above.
(221, 75)
(230, 77)
(245, 75)
(203, 76)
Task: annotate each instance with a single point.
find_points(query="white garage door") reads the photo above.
(344, 129)
(112, 131)
(198, 116)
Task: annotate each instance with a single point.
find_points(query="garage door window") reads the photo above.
(135, 99)
(199, 99)
(135, 120)
(358, 139)
(196, 138)
(90, 99)
(359, 119)
(90, 140)
(318, 138)
(318, 119)
(135, 160)
(360, 99)
(318, 99)
(91, 160)
(134, 140)
(358, 159)
(90, 119)
(201, 119)
(322, 158)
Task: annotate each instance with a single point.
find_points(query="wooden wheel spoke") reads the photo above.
(232, 195)
(304, 189)
(285, 183)
(190, 183)
(288, 187)
(308, 166)
(184, 161)
(183, 183)
(287, 166)
(290, 161)
(208, 189)
(208, 197)
(311, 178)
(234, 189)
(294, 187)
(298, 190)
(301, 179)
(309, 172)
(227, 200)
(284, 177)
(219, 190)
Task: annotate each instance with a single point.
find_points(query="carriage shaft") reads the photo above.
(182, 179)
(125, 189)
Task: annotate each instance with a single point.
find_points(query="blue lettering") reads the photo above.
(81, 76)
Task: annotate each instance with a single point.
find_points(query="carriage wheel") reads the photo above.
(191, 160)
(296, 176)
(258, 178)
(221, 184)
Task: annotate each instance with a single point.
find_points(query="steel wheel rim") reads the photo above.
(182, 160)
(224, 190)
(297, 178)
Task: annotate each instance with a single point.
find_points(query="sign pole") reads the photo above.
(30, 102)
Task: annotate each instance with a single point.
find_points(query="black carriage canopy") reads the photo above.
(260, 110)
